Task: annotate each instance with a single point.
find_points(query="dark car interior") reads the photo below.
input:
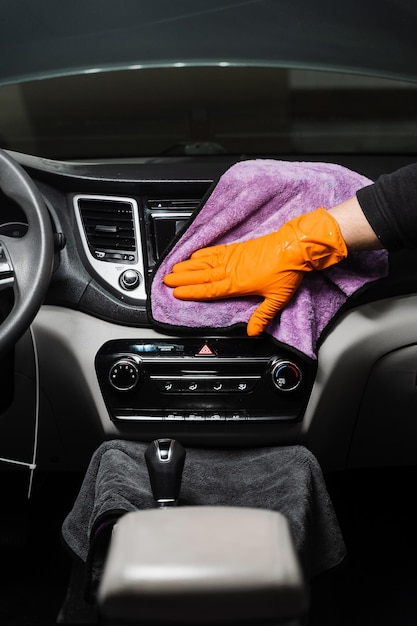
(102, 167)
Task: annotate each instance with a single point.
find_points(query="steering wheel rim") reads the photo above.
(26, 263)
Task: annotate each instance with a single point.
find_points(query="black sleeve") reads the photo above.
(390, 206)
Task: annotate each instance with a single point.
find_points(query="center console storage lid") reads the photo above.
(202, 564)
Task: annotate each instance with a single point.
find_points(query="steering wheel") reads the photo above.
(25, 263)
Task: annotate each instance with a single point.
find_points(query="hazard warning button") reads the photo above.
(205, 350)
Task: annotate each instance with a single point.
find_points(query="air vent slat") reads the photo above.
(108, 224)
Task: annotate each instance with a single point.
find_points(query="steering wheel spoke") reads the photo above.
(6, 282)
(6, 269)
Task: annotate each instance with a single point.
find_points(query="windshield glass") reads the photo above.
(208, 110)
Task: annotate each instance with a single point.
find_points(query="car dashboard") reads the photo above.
(124, 117)
(101, 370)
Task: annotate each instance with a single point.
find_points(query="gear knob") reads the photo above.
(165, 461)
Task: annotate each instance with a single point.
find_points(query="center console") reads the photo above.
(195, 384)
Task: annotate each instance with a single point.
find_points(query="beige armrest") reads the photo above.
(201, 565)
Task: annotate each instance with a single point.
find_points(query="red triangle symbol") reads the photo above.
(205, 350)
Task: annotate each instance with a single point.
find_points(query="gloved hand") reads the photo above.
(271, 266)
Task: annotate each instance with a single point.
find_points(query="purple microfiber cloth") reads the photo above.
(254, 198)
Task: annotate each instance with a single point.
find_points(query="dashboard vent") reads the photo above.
(108, 224)
(165, 218)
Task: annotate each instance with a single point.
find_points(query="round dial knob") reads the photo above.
(124, 375)
(285, 375)
(130, 279)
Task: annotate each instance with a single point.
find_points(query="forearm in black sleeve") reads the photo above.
(390, 206)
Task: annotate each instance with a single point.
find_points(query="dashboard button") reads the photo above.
(242, 385)
(193, 385)
(174, 416)
(236, 416)
(215, 416)
(130, 279)
(216, 385)
(168, 385)
(195, 416)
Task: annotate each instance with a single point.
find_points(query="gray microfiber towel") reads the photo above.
(286, 479)
(251, 199)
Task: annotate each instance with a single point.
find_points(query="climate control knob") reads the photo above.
(124, 374)
(285, 375)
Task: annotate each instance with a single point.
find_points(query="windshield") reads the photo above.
(208, 110)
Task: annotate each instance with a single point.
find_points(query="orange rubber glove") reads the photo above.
(271, 266)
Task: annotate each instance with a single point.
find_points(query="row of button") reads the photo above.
(197, 416)
(186, 384)
(180, 416)
(114, 256)
(207, 416)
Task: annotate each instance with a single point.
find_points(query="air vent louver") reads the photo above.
(108, 224)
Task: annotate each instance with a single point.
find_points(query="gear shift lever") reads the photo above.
(165, 461)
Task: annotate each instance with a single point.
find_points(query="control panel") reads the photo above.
(203, 379)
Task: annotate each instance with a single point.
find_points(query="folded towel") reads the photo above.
(251, 199)
(286, 479)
